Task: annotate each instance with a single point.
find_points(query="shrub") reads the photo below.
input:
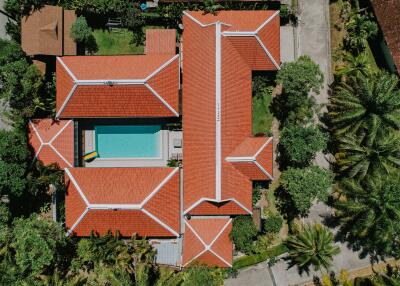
(299, 144)
(82, 34)
(305, 185)
(244, 231)
(273, 223)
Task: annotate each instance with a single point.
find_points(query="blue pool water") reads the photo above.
(128, 141)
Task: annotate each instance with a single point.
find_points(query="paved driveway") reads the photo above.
(257, 275)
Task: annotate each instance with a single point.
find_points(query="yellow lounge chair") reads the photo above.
(90, 156)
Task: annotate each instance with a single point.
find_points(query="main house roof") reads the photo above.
(52, 141)
(207, 241)
(118, 86)
(144, 201)
(219, 54)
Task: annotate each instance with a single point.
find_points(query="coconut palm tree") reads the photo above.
(357, 157)
(366, 104)
(369, 213)
(313, 246)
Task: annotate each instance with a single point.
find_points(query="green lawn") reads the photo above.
(262, 117)
(115, 42)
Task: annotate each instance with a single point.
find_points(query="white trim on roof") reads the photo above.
(263, 146)
(263, 170)
(240, 159)
(267, 52)
(60, 131)
(71, 74)
(114, 206)
(238, 34)
(60, 155)
(202, 200)
(110, 82)
(66, 100)
(163, 66)
(208, 247)
(163, 224)
(78, 188)
(218, 103)
(37, 132)
(267, 21)
(80, 218)
(162, 99)
(158, 188)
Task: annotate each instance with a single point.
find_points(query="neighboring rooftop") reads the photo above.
(47, 32)
(160, 41)
(388, 14)
(53, 141)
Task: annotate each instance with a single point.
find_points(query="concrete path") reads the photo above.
(257, 275)
(3, 21)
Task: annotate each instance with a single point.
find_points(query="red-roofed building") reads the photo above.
(53, 141)
(207, 241)
(117, 86)
(220, 52)
(188, 213)
(145, 201)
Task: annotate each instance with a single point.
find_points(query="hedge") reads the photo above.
(248, 260)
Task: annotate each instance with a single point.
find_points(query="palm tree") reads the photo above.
(364, 105)
(369, 213)
(357, 157)
(355, 65)
(312, 247)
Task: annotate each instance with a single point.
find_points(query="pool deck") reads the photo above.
(168, 150)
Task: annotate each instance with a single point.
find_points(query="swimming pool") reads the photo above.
(128, 141)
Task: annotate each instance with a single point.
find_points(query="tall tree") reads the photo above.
(243, 233)
(369, 213)
(357, 157)
(365, 105)
(313, 246)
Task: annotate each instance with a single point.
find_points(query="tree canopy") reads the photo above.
(313, 246)
(305, 185)
(299, 145)
(369, 213)
(243, 233)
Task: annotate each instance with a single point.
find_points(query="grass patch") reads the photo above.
(248, 260)
(371, 58)
(115, 42)
(338, 33)
(262, 116)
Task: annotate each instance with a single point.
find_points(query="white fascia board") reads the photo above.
(60, 131)
(222, 259)
(238, 34)
(195, 257)
(70, 73)
(267, 52)
(196, 234)
(77, 222)
(162, 100)
(215, 201)
(36, 132)
(263, 146)
(264, 171)
(114, 206)
(240, 159)
(163, 66)
(220, 232)
(163, 224)
(60, 155)
(66, 101)
(218, 153)
(158, 188)
(111, 82)
(78, 188)
(267, 21)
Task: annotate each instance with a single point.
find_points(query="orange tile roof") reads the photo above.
(218, 59)
(129, 200)
(53, 141)
(207, 241)
(118, 86)
(46, 32)
(160, 41)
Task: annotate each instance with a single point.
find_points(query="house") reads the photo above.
(121, 109)
(387, 14)
(47, 32)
